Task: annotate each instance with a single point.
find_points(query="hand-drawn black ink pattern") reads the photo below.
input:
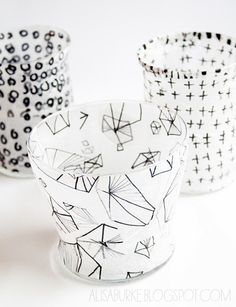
(119, 126)
(133, 274)
(201, 90)
(144, 247)
(79, 261)
(124, 202)
(163, 167)
(146, 158)
(168, 121)
(83, 118)
(101, 241)
(40, 64)
(155, 127)
(82, 215)
(58, 123)
(63, 219)
(72, 162)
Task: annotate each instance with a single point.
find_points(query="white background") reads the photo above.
(105, 37)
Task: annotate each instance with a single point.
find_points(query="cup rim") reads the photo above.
(176, 147)
(190, 73)
(38, 26)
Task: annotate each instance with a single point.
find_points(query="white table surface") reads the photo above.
(106, 35)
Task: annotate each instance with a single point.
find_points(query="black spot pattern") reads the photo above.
(34, 83)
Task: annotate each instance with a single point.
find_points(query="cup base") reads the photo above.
(8, 173)
(62, 271)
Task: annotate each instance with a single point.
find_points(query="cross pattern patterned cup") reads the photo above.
(34, 83)
(194, 75)
(111, 173)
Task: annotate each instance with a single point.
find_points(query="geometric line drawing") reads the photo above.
(82, 215)
(76, 257)
(63, 219)
(143, 247)
(117, 128)
(81, 183)
(124, 202)
(101, 241)
(67, 161)
(146, 158)
(133, 274)
(169, 123)
(168, 202)
(155, 127)
(84, 117)
(58, 123)
(162, 168)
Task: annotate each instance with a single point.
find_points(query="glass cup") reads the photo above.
(34, 83)
(111, 175)
(194, 75)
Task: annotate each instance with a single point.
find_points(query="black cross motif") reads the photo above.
(200, 124)
(190, 124)
(221, 50)
(225, 80)
(182, 59)
(212, 111)
(202, 60)
(174, 94)
(214, 83)
(188, 58)
(195, 144)
(189, 182)
(212, 179)
(224, 109)
(206, 138)
(177, 109)
(230, 52)
(228, 93)
(171, 82)
(196, 159)
(200, 180)
(216, 124)
(190, 95)
(202, 84)
(220, 165)
(192, 137)
(161, 92)
(219, 152)
(227, 121)
(189, 110)
(206, 157)
(158, 82)
(202, 111)
(207, 47)
(213, 61)
(222, 137)
(202, 95)
(208, 168)
(196, 170)
(188, 84)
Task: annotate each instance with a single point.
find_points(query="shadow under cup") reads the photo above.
(194, 75)
(112, 173)
(34, 83)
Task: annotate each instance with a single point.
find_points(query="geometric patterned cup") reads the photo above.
(34, 83)
(194, 75)
(112, 173)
